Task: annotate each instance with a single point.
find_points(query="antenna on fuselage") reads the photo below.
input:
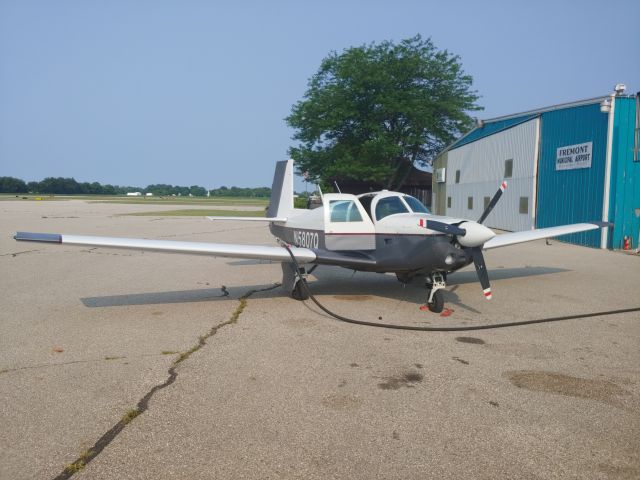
(336, 184)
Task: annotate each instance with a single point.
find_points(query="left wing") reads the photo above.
(258, 252)
(512, 238)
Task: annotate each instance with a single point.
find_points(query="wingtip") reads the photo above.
(603, 224)
(38, 237)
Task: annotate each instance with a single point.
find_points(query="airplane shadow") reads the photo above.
(372, 284)
(177, 296)
(324, 281)
(470, 276)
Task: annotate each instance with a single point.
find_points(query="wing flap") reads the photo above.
(258, 252)
(529, 235)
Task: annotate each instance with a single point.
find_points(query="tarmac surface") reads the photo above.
(233, 379)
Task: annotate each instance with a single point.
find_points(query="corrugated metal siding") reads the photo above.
(572, 196)
(491, 128)
(625, 176)
(481, 166)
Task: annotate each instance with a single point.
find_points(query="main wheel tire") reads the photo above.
(299, 291)
(437, 303)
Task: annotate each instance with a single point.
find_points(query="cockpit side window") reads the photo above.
(415, 204)
(389, 206)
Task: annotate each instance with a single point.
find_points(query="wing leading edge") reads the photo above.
(258, 252)
(512, 238)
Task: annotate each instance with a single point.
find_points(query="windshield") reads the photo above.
(415, 204)
(389, 206)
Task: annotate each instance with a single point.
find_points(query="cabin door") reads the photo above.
(346, 224)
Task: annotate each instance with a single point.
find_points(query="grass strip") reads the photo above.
(199, 212)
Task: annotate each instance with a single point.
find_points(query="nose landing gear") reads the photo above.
(435, 283)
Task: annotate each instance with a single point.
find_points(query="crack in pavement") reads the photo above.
(95, 251)
(15, 254)
(73, 362)
(143, 404)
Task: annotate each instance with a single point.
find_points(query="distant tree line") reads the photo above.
(69, 186)
(62, 186)
(241, 192)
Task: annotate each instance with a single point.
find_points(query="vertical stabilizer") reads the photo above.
(281, 203)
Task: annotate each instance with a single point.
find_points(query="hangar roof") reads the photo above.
(489, 128)
(498, 124)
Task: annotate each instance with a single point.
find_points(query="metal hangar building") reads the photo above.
(569, 163)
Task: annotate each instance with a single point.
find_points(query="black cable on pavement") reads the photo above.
(446, 329)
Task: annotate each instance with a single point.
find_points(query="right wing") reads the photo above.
(512, 238)
(258, 252)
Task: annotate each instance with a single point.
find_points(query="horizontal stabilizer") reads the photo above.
(529, 235)
(258, 252)
(251, 219)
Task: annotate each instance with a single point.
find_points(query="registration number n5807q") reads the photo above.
(305, 239)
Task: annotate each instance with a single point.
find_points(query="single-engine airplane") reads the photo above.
(375, 232)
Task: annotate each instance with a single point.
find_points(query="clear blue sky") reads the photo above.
(195, 92)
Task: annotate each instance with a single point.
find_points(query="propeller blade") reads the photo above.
(493, 201)
(445, 228)
(481, 270)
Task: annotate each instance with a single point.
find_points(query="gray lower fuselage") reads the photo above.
(393, 252)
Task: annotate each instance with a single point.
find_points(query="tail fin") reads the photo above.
(281, 204)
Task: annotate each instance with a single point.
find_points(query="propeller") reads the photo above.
(472, 236)
(492, 203)
(476, 252)
(445, 228)
(481, 270)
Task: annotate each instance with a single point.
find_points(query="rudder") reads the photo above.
(281, 202)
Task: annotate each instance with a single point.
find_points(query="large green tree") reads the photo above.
(372, 112)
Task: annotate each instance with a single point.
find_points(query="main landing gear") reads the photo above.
(435, 283)
(292, 281)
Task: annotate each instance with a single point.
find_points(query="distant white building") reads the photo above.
(134, 194)
(148, 194)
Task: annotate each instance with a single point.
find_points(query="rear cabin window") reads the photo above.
(415, 204)
(344, 211)
(389, 206)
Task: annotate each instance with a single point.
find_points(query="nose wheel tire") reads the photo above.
(437, 302)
